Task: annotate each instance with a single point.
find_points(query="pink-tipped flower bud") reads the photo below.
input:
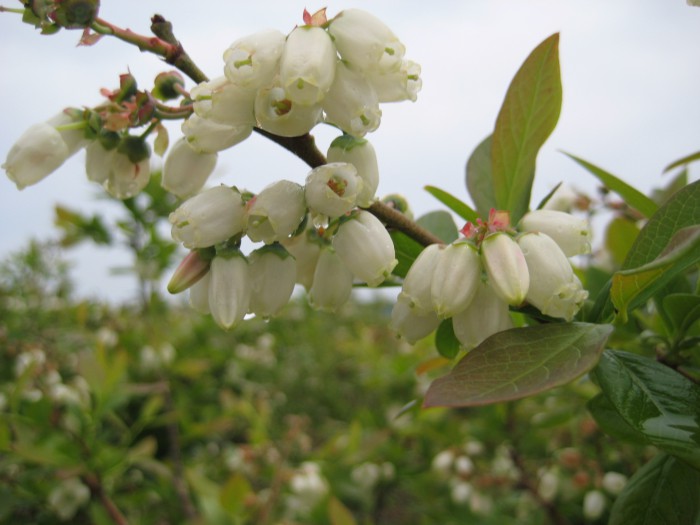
(192, 268)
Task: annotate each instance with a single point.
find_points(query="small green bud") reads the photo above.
(399, 203)
(76, 14)
(165, 85)
(108, 139)
(135, 148)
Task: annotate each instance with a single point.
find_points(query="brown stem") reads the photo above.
(398, 221)
(177, 56)
(97, 490)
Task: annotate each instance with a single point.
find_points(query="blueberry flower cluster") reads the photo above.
(477, 278)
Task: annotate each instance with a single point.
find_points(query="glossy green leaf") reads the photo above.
(520, 362)
(619, 238)
(683, 161)
(441, 224)
(665, 491)
(527, 117)
(406, 250)
(612, 422)
(632, 196)
(446, 341)
(655, 400)
(632, 287)
(460, 208)
(479, 178)
(683, 310)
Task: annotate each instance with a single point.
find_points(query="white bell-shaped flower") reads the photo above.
(307, 65)
(366, 248)
(365, 42)
(209, 217)
(306, 251)
(351, 103)
(272, 278)
(125, 179)
(554, 289)
(97, 162)
(229, 289)
(252, 61)
(572, 234)
(417, 284)
(399, 85)
(359, 153)
(506, 267)
(276, 212)
(224, 102)
(332, 283)
(199, 295)
(206, 136)
(411, 324)
(487, 314)
(185, 170)
(456, 276)
(278, 115)
(332, 189)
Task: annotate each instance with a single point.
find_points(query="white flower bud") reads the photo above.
(199, 295)
(332, 189)
(185, 170)
(418, 282)
(359, 153)
(97, 162)
(506, 267)
(124, 178)
(307, 66)
(39, 151)
(229, 289)
(278, 115)
(366, 248)
(209, 217)
(456, 276)
(224, 102)
(572, 234)
(206, 136)
(276, 212)
(306, 252)
(332, 282)
(487, 314)
(252, 61)
(67, 497)
(554, 289)
(399, 85)
(410, 324)
(351, 103)
(614, 482)
(272, 277)
(594, 504)
(365, 42)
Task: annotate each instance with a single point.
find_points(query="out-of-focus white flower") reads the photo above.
(306, 252)
(365, 42)
(206, 136)
(209, 217)
(332, 189)
(308, 482)
(224, 102)
(34, 358)
(332, 282)
(399, 85)
(594, 504)
(572, 234)
(185, 170)
(554, 289)
(272, 278)
(460, 492)
(276, 113)
(307, 65)
(366, 248)
(487, 314)
(276, 212)
(229, 289)
(464, 466)
(107, 337)
(474, 447)
(252, 61)
(366, 475)
(456, 276)
(417, 284)
(199, 295)
(614, 482)
(548, 486)
(411, 324)
(361, 154)
(351, 103)
(442, 463)
(67, 497)
(506, 267)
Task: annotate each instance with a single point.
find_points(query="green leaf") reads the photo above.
(683, 161)
(619, 238)
(441, 224)
(479, 178)
(520, 362)
(406, 252)
(633, 287)
(632, 196)
(460, 208)
(527, 117)
(683, 310)
(665, 491)
(339, 514)
(233, 494)
(446, 341)
(611, 421)
(655, 400)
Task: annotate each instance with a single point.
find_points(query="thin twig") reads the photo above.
(97, 490)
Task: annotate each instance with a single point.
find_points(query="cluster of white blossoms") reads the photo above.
(475, 279)
(351, 244)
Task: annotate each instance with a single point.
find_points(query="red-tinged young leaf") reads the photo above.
(527, 117)
(520, 362)
(479, 179)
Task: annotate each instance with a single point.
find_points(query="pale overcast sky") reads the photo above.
(630, 68)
